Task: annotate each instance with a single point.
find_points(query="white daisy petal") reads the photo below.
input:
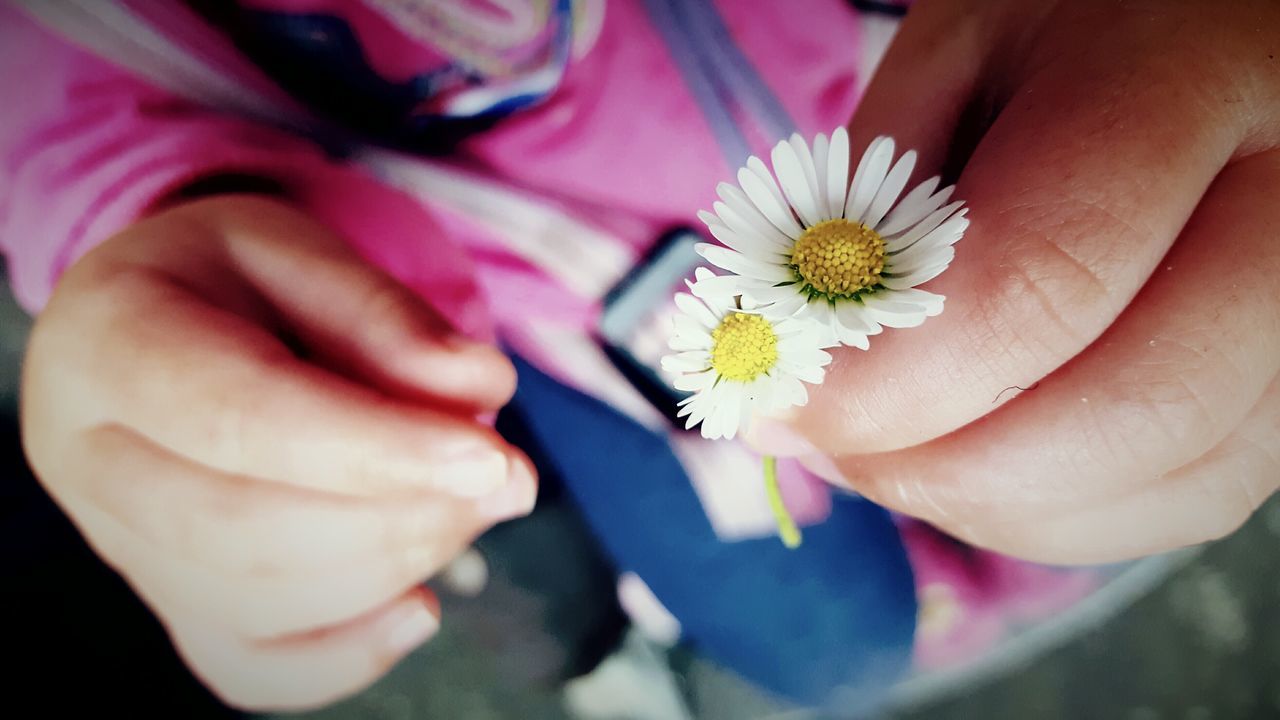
(694, 382)
(890, 189)
(711, 423)
(853, 317)
(838, 172)
(774, 293)
(810, 173)
(719, 288)
(915, 207)
(698, 410)
(729, 385)
(773, 242)
(736, 262)
(810, 374)
(686, 362)
(916, 277)
(773, 207)
(719, 333)
(931, 303)
(852, 338)
(869, 176)
(695, 309)
(816, 358)
(924, 227)
(821, 149)
(680, 343)
(794, 184)
(893, 314)
(775, 400)
(759, 389)
(793, 390)
(786, 307)
(945, 235)
(822, 317)
(745, 244)
(686, 325)
(731, 411)
(738, 201)
(702, 273)
(927, 258)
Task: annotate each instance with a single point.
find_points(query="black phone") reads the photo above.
(635, 322)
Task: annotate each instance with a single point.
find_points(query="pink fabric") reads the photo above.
(90, 148)
(971, 599)
(624, 132)
(622, 142)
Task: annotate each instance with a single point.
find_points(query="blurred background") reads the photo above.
(1193, 635)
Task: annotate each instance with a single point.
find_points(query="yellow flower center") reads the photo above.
(839, 258)
(744, 347)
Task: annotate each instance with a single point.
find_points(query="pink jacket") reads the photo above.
(113, 105)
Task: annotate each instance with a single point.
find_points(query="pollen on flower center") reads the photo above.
(744, 347)
(839, 257)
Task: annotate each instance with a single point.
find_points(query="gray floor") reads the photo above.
(1203, 644)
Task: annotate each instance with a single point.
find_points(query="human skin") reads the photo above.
(273, 442)
(1103, 382)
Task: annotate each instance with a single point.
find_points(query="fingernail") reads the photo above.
(824, 467)
(412, 626)
(516, 497)
(475, 474)
(771, 436)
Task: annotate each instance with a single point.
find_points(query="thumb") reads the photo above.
(922, 93)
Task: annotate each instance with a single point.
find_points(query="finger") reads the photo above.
(1072, 209)
(1173, 377)
(262, 411)
(1204, 500)
(928, 81)
(273, 263)
(264, 558)
(365, 322)
(311, 670)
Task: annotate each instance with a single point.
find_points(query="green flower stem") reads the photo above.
(787, 529)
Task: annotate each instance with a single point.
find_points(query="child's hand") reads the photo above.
(1122, 163)
(273, 442)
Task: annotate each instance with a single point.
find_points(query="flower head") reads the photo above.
(736, 361)
(846, 255)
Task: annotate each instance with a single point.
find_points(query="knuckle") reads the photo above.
(387, 315)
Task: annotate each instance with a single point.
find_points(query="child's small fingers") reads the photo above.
(363, 322)
(212, 386)
(311, 670)
(265, 558)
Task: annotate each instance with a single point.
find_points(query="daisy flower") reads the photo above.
(737, 362)
(848, 255)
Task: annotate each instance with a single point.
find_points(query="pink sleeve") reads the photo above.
(86, 149)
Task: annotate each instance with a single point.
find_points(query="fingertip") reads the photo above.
(826, 468)
(410, 623)
(460, 370)
(777, 437)
(517, 497)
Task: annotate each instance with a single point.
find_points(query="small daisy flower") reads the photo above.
(847, 255)
(738, 362)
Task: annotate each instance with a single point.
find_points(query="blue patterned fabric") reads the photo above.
(830, 623)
